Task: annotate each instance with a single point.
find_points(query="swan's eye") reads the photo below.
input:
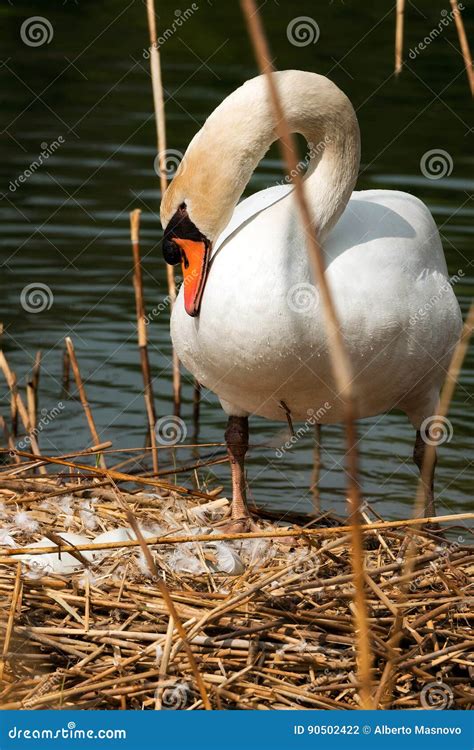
(171, 252)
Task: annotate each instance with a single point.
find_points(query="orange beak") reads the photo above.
(195, 264)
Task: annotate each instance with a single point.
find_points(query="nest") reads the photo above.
(263, 622)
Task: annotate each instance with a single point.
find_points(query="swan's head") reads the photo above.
(184, 243)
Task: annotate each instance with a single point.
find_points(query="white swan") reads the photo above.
(247, 322)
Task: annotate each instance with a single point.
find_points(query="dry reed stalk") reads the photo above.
(20, 407)
(9, 440)
(142, 333)
(466, 52)
(315, 477)
(385, 685)
(399, 28)
(158, 99)
(82, 395)
(120, 476)
(16, 595)
(66, 372)
(339, 360)
(444, 404)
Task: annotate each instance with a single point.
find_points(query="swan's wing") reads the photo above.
(252, 205)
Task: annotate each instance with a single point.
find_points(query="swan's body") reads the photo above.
(260, 337)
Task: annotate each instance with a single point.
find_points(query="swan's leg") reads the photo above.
(237, 440)
(418, 457)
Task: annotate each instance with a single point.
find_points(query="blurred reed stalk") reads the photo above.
(385, 686)
(142, 333)
(443, 407)
(399, 29)
(32, 391)
(340, 363)
(466, 53)
(83, 397)
(158, 99)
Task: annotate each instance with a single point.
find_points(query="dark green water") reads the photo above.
(67, 225)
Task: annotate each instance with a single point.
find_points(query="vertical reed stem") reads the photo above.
(158, 99)
(466, 53)
(316, 470)
(11, 618)
(32, 391)
(340, 363)
(19, 407)
(66, 372)
(83, 397)
(142, 333)
(399, 24)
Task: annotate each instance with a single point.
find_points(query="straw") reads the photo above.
(82, 395)
(142, 333)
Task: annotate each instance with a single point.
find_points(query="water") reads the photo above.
(67, 225)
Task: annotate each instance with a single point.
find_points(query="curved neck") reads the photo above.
(222, 157)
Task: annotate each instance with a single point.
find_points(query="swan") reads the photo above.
(248, 323)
